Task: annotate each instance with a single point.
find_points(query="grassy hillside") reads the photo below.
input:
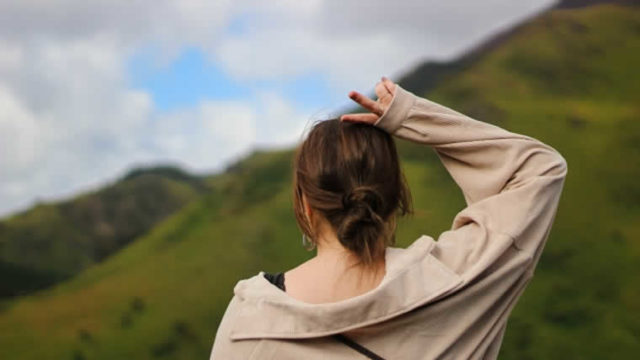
(53, 241)
(568, 78)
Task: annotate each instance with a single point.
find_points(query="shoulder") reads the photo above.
(223, 346)
(225, 326)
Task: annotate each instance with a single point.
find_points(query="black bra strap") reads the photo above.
(357, 347)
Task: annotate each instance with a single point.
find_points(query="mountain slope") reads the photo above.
(52, 242)
(567, 78)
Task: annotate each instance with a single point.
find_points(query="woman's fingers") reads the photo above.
(389, 85)
(385, 90)
(382, 92)
(369, 118)
(366, 103)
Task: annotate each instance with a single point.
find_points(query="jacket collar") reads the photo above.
(414, 277)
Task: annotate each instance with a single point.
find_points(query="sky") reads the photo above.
(90, 90)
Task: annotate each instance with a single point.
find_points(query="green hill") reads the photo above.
(567, 77)
(51, 242)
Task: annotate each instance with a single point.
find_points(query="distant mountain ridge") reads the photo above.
(574, 4)
(426, 76)
(54, 241)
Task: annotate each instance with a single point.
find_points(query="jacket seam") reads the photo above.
(506, 137)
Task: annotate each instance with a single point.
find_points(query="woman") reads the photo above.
(360, 297)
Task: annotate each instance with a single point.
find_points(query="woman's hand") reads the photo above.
(385, 89)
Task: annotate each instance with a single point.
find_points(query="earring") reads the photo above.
(306, 243)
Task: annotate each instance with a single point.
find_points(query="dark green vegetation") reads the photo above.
(568, 78)
(52, 242)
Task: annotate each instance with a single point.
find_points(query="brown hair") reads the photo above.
(350, 173)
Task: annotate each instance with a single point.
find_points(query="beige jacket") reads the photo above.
(445, 299)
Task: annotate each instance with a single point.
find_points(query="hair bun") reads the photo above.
(362, 225)
(362, 196)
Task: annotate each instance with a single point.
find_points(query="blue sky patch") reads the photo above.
(192, 78)
(188, 80)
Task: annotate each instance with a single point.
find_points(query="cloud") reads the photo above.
(21, 142)
(280, 123)
(354, 42)
(67, 118)
(70, 119)
(168, 24)
(206, 137)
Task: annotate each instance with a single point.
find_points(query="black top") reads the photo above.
(276, 279)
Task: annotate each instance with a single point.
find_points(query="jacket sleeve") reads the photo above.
(511, 182)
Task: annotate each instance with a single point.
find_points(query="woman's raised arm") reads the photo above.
(511, 182)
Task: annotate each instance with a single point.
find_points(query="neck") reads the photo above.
(338, 260)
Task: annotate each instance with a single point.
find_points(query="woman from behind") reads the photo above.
(359, 295)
